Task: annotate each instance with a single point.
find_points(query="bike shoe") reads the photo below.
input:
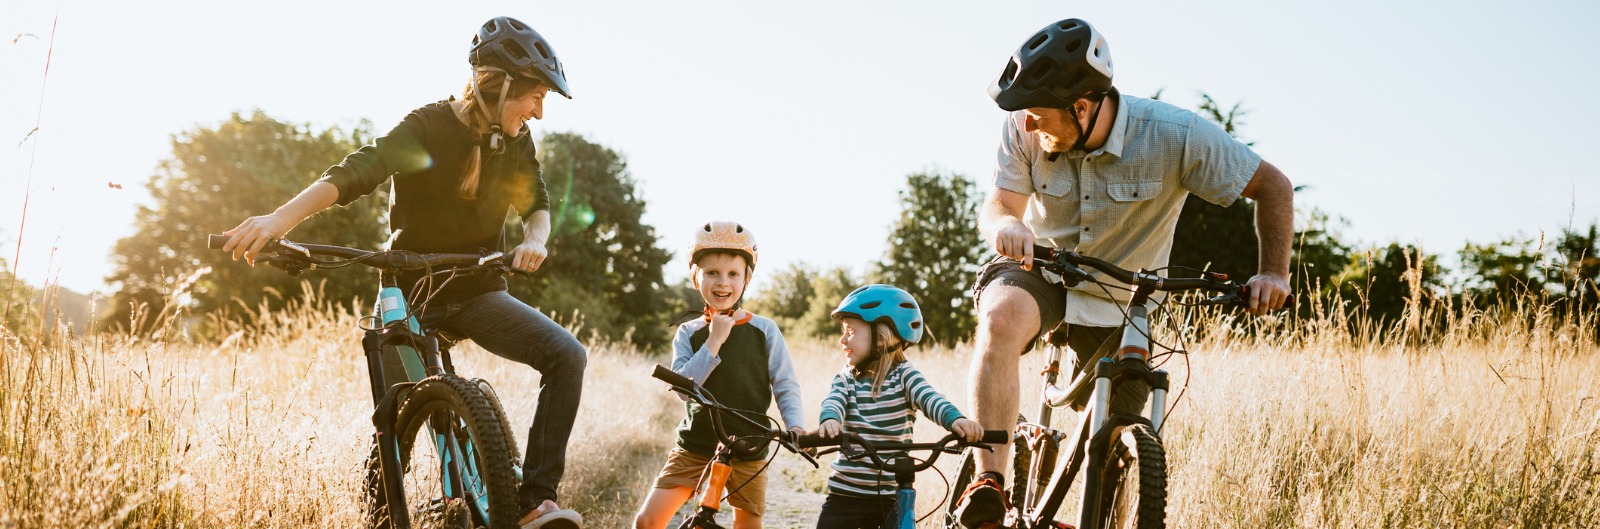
(549, 516)
(983, 505)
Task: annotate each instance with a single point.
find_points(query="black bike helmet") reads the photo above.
(1059, 64)
(508, 44)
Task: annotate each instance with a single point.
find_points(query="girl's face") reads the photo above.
(855, 337)
(521, 109)
(722, 279)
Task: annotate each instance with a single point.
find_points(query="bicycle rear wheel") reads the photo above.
(965, 474)
(1134, 484)
(453, 452)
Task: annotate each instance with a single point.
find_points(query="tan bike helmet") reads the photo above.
(724, 235)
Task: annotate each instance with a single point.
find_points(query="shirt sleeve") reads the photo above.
(1013, 170)
(933, 405)
(1216, 167)
(785, 384)
(529, 172)
(400, 151)
(686, 361)
(833, 406)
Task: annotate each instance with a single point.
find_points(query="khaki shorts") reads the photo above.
(684, 469)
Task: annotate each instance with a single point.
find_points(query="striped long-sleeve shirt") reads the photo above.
(887, 417)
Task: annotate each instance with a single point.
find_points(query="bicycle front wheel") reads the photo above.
(1134, 484)
(454, 457)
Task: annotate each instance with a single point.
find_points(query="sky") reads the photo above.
(1435, 123)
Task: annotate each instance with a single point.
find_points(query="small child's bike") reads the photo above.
(715, 478)
(464, 472)
(904, 467)
(1119, 455)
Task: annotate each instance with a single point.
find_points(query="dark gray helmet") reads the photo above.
(1059, 64)
(508, 44)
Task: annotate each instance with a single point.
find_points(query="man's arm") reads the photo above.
(1274, 196)
(1000, 223)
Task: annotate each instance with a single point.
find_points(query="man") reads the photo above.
(1084, 167)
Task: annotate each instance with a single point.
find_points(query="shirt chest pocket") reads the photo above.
(1052, 183)
(1134, 191)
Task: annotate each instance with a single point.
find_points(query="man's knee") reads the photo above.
(568, 357)
(1008, 314)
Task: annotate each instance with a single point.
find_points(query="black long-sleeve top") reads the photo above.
(426, 155)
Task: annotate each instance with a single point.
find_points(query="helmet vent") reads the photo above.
(1069, 24)
(916, 325)
(907, 305)
(1038, 41)
(516, 50)
(492, 27)
(708, 228)
(738, 228)
(517, 24)
(1009, 75)
(543, 52)
(1072, 46)
(1040, 72)
(871, 305)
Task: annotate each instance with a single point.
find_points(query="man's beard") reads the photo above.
(1053, 144)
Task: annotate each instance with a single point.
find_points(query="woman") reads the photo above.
(456, 171)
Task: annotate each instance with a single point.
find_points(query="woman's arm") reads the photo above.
(249, 236)
(530, 255)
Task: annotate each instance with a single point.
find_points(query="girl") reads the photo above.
(458, 166)
(876, 396)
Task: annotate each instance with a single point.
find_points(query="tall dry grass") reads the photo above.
(1450, 418)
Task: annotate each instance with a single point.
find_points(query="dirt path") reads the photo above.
(794, 495)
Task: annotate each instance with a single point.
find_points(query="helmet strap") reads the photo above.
(1099, 103)
(496, 139)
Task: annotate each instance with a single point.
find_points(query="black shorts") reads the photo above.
(1052, 301)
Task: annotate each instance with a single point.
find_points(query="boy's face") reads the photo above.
(722, 279)
(855, 337)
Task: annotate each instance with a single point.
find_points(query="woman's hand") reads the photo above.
(829, 429)
(968, 429)
(528, 256)
(254, 233)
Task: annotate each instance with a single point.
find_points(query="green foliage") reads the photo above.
(1502, 270)
(604, 262)
(1383, 281)
(829, 287)
(18, 315)
(786, 295)
(1577, 266)
(218, 176)
(935, 256)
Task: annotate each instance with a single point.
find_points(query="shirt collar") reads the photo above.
(1119, 130)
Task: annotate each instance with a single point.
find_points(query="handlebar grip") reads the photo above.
(667, 375)
(1044, 252)
(993, 437)
(812, 440)
(215, 241)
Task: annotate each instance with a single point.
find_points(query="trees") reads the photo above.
(1212, 237)
(934, 252)
(1383, 281)
(218, 176)
(605, 265)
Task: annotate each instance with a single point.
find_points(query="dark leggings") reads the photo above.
(840, 511)
(512, 330)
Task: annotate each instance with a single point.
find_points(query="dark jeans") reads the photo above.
(841, 511)
(512, 330)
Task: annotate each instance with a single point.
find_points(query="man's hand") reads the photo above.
(829, 429)
(528, 256)
(1015, 240)
(968, 429)
(1267, 293)
(253, 234)
(721, 325)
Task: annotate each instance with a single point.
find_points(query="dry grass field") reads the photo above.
(1453, 420)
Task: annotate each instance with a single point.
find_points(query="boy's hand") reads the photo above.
(721, 325)
(968, 429)
(830, 429)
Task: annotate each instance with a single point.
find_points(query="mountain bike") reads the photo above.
(904, 467)
(465, 470)
(715, 477)
(1119, 456)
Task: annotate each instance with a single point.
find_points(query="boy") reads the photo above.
(741, 359)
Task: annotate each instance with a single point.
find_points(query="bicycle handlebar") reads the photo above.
(689, 388)
(1068, 263)
(951, 443)
(293, 257)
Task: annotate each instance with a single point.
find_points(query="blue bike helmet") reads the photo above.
(887, 304)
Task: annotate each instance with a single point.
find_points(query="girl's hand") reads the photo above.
(254, 233)
(528, 256)
(830, 429)
(967, 429)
